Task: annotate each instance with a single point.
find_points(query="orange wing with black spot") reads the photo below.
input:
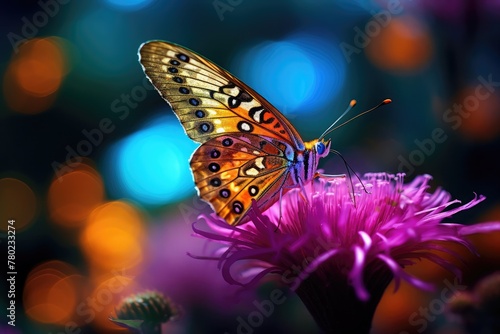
(231, 170)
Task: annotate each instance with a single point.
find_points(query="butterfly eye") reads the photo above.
(320, 148)
(289, 153)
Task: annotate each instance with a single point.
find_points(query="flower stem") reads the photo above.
(335, 306)
(151, 328)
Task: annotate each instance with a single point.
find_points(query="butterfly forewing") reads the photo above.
(208, 100)
(246, 144)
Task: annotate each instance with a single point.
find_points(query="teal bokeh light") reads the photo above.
(301, 73)
(92, 33)
(151, 166)
(130, 4)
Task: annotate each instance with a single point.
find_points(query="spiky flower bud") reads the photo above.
(145, 312)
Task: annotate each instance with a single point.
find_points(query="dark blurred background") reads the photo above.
(94, 165)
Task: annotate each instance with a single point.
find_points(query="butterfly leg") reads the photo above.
(281, 214)
(303, 191)
(329, 176)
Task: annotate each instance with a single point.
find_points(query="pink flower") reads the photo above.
(337, 254)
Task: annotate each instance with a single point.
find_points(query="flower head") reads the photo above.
(339, 255)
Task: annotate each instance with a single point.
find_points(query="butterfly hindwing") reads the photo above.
(208, 100)
(230, 171)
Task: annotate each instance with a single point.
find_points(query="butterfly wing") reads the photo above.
(247, 144)
(208, 100)
(231, 170)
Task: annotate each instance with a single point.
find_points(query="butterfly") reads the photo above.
(248, 150)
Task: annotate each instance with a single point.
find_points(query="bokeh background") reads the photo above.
(94, 165)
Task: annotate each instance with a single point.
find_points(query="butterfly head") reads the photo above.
(322, 147)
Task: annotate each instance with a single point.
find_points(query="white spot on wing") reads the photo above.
(259, 164)
(252, 172)
(231, 91)
(256, 116)
(245, 126)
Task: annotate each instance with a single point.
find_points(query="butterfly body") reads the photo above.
(248, 150)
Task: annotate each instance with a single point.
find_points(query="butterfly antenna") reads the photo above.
(332, 127)
(349, 169)
(351, 105)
